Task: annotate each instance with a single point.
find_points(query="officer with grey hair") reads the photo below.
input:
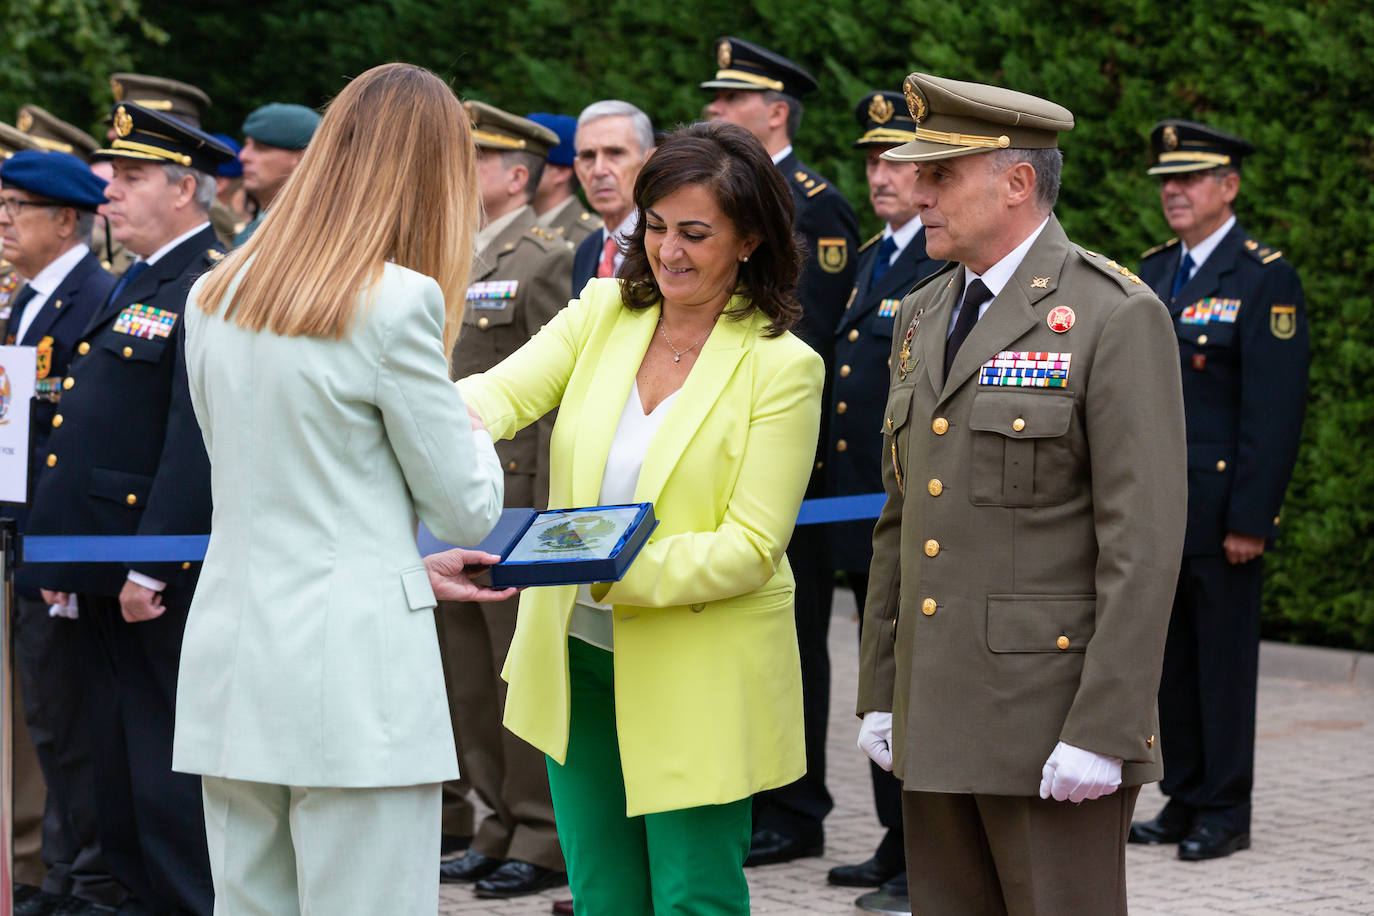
(612, 141)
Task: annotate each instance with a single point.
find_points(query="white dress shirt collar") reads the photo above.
(902, 235)
(161, 252)
(782, 154)
(1204, 248)
(999, 274)
(45, 284)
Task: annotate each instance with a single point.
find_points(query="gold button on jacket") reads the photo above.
(844, 371)
(1062, 642)
(52, 460)
(68, 382)
(928, 606)
(935, 487)
(57, 419)
(940, 426)
(1018, 424)
(83, 348)
(854, 334)
(932, 547)
(131, 499)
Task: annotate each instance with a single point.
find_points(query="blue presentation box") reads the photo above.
(549, 556)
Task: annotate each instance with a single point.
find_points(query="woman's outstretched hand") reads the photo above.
(451, 574)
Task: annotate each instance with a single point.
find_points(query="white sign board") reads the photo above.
(18, 371)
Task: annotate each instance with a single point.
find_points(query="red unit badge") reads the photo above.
(1060, 319)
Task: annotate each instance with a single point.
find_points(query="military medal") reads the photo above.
(1060, 319)
(145, 321)
(904, 354)
(1026, 369)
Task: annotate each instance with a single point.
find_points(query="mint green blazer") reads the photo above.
(310, 656)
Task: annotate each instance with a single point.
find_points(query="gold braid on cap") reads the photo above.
(149, 151)
(969, 140)
(487, 136)
(1195, 156)
(762, 82)
(53, 145)
(887, 135)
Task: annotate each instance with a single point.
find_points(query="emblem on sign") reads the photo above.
(1283, 321)
(833, 254)
(6, 397)
(123, 124)
(1060, 319)
(723, 54)
(880, 110)
(915, 102)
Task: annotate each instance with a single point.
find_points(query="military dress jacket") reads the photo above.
(519, 282)
(574, 223)
(1024, 563)
(127, 457)
(55, 331)
(1241, 323)
(863, 342)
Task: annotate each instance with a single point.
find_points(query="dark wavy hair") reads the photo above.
(752, 194)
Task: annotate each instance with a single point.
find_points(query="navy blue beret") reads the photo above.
(233, 168)
(563, 125)
(55, 176)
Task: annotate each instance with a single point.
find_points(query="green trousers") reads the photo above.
(688, 862)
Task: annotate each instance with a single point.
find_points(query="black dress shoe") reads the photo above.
(1165, 827)
(870, 873)
(450, 843)
(1208, 842)
(470, 866)
(516, 879)
(768, 847)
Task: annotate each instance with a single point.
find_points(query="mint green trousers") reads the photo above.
(676, 863)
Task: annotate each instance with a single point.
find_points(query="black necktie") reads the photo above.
(880, 266)
(17, 313)
(975, 295)
(1185, 270)
(129, 277)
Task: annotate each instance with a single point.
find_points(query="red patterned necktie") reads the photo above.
(607, 266)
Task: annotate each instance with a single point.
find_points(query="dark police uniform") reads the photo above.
(1243, 349)
(126, 457)
(853, 462)
(826, 225)
(519, 282)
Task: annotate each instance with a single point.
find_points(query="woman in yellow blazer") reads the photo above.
(665, 700)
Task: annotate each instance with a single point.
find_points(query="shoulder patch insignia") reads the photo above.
(1283, 321)
(1158, 248)
(832, 253)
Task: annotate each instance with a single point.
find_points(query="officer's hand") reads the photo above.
(139, 604)
(1073, 774)
(51, 597)
(1242, 548)
(875, 738)
(451, 574)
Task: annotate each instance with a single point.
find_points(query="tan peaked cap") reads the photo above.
(51, 132)
(495, 129)
(955, 118)
(12, 140)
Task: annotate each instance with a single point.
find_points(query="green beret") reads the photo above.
(282, 125)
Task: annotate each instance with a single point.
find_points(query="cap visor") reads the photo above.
(925, 151)
(126, 154)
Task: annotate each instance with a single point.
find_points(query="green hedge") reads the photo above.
(1294, 77)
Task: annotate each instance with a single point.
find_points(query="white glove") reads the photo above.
(875, 738)
(1073, 774)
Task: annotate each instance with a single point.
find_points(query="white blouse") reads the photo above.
(591, 622)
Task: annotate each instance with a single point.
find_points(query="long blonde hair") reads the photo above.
(390, 175)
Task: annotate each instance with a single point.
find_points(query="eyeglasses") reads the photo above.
(13, 206)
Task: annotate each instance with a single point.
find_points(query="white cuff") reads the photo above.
(137, 578)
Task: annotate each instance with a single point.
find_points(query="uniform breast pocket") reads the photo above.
(1023, 454)
(136, 349)
(1206, 336)
(489, 313)
(896, 431)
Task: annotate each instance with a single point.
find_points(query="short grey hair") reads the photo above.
(794, 109)
(205, 183)
(1048, 165)
(639, 122)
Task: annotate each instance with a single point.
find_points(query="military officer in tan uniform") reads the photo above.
(1024, 563)
(519, 281)
(556, 202)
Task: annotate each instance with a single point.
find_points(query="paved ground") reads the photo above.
(1313, 829)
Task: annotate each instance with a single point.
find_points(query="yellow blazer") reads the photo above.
(707, 675)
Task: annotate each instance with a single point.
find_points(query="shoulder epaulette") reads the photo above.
(1262, 253)
(870, 241)
(588, 217)
(1158, 248)
(1111, 268)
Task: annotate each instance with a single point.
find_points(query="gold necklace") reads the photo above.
(677, 354)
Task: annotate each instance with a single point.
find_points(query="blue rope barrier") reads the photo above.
(177, 548)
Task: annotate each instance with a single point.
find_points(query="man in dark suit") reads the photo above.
(890, 264)
(761, 92)
(1238, 312)
(613, 139)
(126, 457)
(47, 207)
